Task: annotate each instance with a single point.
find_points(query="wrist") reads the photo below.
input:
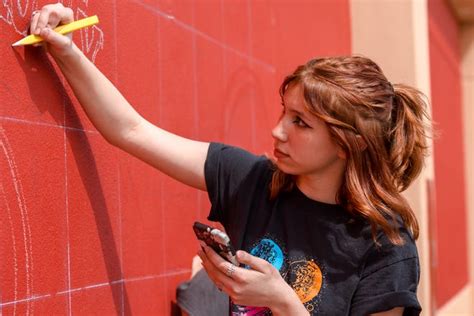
(68, 55)
(289, 304)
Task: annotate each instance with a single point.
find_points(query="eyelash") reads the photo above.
(297, 120)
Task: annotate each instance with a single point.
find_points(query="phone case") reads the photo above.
(217, 240)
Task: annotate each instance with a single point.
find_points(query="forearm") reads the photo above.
(105, 106)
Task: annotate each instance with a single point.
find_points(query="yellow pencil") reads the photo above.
(63, 29)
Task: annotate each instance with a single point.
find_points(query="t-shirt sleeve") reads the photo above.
(390, 279)
(225, 170)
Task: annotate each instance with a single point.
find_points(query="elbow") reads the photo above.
(123, 137)
(126, 137)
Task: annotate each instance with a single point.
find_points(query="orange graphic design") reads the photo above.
(306, 279)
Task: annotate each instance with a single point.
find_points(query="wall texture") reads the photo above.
(85, 228)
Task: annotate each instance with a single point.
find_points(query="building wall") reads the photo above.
(85, 227)
(401, 49)
(467, 53)
(421, 46)
(446, 97)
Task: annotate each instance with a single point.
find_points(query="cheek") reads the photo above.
(320, 149)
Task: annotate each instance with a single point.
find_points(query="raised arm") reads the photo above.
(112, 115)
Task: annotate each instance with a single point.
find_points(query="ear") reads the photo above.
(341, 154)
(360, 142)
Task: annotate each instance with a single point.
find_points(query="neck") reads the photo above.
(322, 188)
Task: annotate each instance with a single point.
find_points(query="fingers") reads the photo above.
(54, 38)
(218, 278)
(50, 16)
(221, 271)
(34, 21)
(222, 265)
(46, 19)
(255, 263)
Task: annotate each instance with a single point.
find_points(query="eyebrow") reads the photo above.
(302, 114)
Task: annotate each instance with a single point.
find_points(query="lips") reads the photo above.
(279, 154)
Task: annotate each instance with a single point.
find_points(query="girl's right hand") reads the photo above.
(45, 20)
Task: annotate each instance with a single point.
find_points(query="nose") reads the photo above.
(278, 132)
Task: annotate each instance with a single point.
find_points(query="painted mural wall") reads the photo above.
(85, 228)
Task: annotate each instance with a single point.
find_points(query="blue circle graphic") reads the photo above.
(268, 250)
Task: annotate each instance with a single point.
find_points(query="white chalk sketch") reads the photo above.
(92, 38)
(11, 183)
(17, 13)
(13, 248)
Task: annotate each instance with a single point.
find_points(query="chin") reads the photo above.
(285, 168)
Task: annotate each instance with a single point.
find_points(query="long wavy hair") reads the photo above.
(355, 99)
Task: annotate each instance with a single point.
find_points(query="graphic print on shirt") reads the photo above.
(306, 279)
(304, 276)
(269, 250)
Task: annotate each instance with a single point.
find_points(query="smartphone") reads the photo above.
(217, 240)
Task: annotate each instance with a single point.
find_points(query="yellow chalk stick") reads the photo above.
(62, 29)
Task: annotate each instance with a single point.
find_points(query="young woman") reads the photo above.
(322, 224)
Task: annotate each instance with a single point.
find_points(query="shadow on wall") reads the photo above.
(84, 158)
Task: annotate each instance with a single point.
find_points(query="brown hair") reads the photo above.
(354, 98)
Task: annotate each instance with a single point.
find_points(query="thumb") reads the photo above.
(255, 263)
(55, 39)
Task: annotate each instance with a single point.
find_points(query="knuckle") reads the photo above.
(236, 277)
(236, 291)
(223, 266)
(269, 267)
(274, 273)
(69, 12)
(231, 292)
(239, 278)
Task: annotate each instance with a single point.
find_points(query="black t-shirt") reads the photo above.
(326, 255)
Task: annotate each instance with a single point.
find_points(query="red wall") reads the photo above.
(450, 253)
(85, 228)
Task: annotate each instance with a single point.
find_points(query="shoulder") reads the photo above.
(384, 253)
(389, 277)
(229, 169)
(234, 159)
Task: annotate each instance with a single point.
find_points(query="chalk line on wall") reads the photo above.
(15, 182)
(143, 278)
(16, 13)
(15, 260)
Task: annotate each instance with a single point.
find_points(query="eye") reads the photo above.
(299, 122)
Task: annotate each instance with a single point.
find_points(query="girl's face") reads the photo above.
(302, 143)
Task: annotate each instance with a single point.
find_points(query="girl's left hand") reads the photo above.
(261, 285)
